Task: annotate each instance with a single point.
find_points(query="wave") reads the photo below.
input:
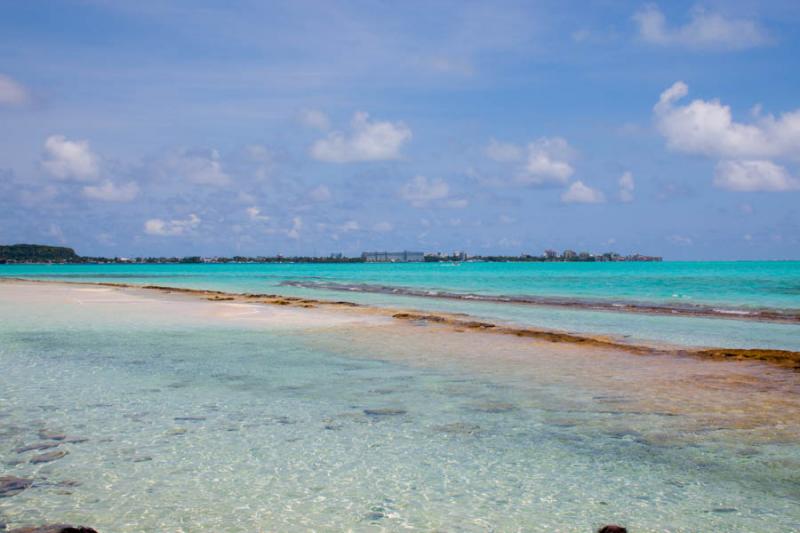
(673, 309)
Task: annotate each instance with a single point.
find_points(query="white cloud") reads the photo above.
(704, 30)
(70, 160)
(201, 167)
(171, 228)
(320, 193)
(315, 119)
(707, 127)
(547, 162)
(626, 187)
(503, 152)
(108, 191)
(368, 141)
(756, 175)
(254, 214)
(12, 93)
(578, 193)
(420, 191)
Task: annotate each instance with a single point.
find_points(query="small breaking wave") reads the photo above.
(684, 309)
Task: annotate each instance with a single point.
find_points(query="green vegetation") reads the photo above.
(37, 253)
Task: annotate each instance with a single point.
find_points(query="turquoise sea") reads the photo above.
(183, 415)
(731, 288)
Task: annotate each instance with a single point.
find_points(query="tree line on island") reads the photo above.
(37, 253)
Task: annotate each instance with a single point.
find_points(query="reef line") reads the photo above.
(460, 322)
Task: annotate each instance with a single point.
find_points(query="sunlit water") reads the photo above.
(202, 424)
(769, 285)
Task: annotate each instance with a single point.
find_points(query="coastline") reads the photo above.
(787, 359)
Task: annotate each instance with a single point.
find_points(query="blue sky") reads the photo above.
(220, 128)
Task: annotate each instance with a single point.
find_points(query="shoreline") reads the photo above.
(787, 359)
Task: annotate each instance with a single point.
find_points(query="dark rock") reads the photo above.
(612, 529)
(384, 411)
(37, 446)
(11, 485)
(724, 510)
(47, 457)
(54, 528)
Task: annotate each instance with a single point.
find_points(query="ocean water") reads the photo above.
(196, 421)
(729, 287)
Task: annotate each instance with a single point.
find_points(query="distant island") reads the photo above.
(37, 253)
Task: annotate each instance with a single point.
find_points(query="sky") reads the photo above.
(244, 127)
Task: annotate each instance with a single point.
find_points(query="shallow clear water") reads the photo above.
(773, 285)
(197, 424)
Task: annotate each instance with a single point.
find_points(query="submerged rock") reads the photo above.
(54, 528)
(12, 485)
(384, 411)
(47, 457)
(38, 446)
(51, 435)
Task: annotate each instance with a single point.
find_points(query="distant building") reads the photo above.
(336, 255)
(459, 256)
(569, 254)
(550, 254)
(393, 257)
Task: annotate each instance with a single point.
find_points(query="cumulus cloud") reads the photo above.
(201, 167)
(707, 127)
(704, 30)
(12, 93)
(420, 191)
(626, 186)
(70, 160)
(751, 176)
(504, 152)
(367, 141)
(108, 191)
(579, 193)
(320, 193)
(548, 162)
(254, 214)
(171, 228)
(545, 161)
(315, 119)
